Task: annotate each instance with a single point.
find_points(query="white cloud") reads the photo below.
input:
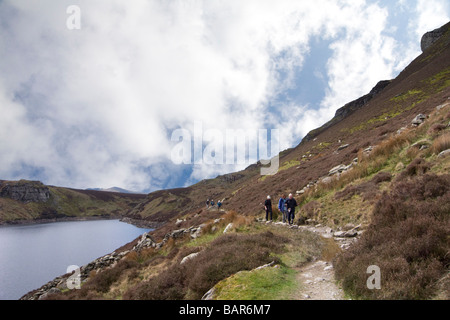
(95, 107)
(431, 15)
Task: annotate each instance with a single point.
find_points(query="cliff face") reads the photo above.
(25, 191)
(348, 109)
(431, 37)
(23, 200)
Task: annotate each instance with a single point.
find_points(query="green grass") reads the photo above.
(273, 283)
(289, 164)
(407, 95)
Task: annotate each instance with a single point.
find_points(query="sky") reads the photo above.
(91, 98)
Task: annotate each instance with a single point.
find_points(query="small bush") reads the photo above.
(367, 190)
(417, 167)
(382, 177)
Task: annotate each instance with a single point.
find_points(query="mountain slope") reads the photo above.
(366, 122)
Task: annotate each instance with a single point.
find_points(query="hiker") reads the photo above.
(291, 205)
(268, 208)
(207, 203)
(212, 203)
(282, 208)
(219, 204)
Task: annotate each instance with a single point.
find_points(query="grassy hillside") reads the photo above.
(422, 86)
(65, 203)
(399, 193)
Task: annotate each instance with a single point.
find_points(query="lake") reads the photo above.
(32, 255)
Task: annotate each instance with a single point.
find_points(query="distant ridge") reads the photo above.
(115, 190)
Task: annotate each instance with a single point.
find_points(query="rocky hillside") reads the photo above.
(31, 201)
(359, 125)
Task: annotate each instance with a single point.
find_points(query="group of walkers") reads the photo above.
(211, 203)
(286, 207)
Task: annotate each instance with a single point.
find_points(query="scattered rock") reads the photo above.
(421, 144)
(338, 169)
(368, 150)
(345, 146)
(346, 234)
(189, 257)
(443, 154)
(442, 106)
(328, 268)
(209, 295)
(49, 292)
(228, 228)
(326, 180)
(418, 120)
(266, 266)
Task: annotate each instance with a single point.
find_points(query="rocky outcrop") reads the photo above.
(429, 38)
(418, 120)
(25, 191)
(348, 109)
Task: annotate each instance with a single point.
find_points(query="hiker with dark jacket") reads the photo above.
(268, 208)
(282, 208)
(291, 205)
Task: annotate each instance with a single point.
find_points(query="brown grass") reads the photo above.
(441, 143)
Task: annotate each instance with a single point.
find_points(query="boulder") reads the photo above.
(345, 146)
(421, 144)
(419, 119)
(337, 169)
(189, 257)
(368, 150)
(443, 154)
(228, 228)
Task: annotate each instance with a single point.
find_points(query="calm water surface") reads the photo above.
(32, 255)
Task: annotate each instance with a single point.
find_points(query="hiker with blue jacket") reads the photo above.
(282, 208)
(291, 205)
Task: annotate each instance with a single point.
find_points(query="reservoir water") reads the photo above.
(32, 255)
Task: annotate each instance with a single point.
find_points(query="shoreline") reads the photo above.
(137, 223)
(54, 220)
